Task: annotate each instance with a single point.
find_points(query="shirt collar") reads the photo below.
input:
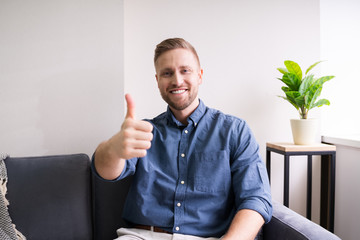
(194, 117)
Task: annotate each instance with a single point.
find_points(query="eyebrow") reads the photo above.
(186, 66)
(166, 69)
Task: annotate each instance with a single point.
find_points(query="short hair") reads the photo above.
(173, 43)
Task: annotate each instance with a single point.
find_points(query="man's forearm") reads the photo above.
(107, 166)
(245, 225)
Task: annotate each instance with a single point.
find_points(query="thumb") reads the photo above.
(130, 106)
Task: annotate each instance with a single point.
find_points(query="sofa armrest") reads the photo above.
(286, 224)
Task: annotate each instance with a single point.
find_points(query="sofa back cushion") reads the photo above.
(50, 197)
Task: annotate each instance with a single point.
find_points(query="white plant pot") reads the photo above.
(304, 131)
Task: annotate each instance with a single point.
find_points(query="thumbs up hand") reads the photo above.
(134, 138)
(130, 106)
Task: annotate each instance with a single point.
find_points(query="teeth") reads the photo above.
(178, 91)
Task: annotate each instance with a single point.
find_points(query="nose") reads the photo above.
(177, 79)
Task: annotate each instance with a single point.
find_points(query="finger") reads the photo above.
(130, 106)
(136, 148)
(142, 145)
(143, 126)
(132, 147)
(138, 153)
(144, 136)
(137, 125)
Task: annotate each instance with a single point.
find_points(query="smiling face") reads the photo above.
(179, 75)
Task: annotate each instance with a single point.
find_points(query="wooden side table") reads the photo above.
(327, 197)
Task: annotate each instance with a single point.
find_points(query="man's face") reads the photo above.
(178, 75)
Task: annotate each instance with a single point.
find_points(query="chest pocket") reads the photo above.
(212, 171)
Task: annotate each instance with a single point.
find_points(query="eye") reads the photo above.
(166, 74)
(186, 70)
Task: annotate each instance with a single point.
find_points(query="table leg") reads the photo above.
(309, 187)
(286, 180)
(327, 197)
(268, 163)
(332, 193)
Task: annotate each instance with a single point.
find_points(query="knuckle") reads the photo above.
(126, 144)
(126, 133)
(142, 153)
(147, 126)
(128, 122)
(124, 153)
(151, 136)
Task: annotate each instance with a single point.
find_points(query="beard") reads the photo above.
(180, 104)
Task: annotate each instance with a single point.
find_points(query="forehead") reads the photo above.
(176, 58)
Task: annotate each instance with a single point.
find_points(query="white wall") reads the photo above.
(347, 208)
(347, 191)
(240, 44)
(61, 71)
(340, 38)
(65, 65)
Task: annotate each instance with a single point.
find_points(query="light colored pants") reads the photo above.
(140, 234)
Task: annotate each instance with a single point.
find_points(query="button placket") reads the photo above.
(181, 186)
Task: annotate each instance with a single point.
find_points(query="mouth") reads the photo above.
(178, 91)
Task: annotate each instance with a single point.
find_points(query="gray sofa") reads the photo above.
(57, 197)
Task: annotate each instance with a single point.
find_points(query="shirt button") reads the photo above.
(186, 131)
(182, 155)
(177, 228)
(182, 182)
(178, 204)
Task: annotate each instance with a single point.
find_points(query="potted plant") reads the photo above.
(303, 92)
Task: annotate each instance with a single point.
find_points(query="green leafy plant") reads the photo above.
(302, 92)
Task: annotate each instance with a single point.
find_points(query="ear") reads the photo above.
(201, 72)
(157, 80)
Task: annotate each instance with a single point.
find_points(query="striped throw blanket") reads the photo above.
(7, 229)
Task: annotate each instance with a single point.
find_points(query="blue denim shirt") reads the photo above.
(196, 177)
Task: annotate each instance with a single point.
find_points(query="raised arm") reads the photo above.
(133, 140)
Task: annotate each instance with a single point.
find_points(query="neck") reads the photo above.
(182, 115)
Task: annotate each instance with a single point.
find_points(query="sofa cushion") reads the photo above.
(109, 199)
(50, 197)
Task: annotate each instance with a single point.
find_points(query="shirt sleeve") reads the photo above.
(129, 169)
(249, 177)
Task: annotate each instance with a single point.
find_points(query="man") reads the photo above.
(197, 172)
